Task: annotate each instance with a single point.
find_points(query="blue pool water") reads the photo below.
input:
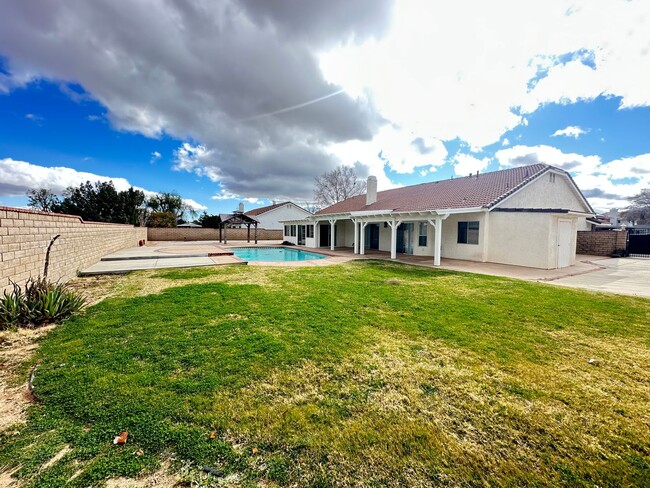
(274, 254)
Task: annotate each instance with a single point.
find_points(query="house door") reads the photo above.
(405, 238)
(325, 237)
(564, 228)
(301, 235)
(372, 236)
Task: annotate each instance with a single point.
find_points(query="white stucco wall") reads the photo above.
(544, 193)
(451, 248)
(527, 239)
(272, 218)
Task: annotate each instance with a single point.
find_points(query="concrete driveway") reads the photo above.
(626, 276)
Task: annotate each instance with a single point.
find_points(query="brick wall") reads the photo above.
(600, 243)
(26, 234)
(200, 234)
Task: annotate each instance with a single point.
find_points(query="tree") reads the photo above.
(639, 211)
(97, 202)
(209, 221)
(337, 185)
(162, 219)
(166, 202)
(43, 200)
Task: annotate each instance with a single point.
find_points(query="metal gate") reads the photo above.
(638, 243)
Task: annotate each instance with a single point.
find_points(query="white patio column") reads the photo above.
(362, 237)
(332, 233)
(356, 236)
(437, 242)
(394, 224)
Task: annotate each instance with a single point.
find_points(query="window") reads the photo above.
(310, 231)
(468, 232)
(286, 230)
(422, 240)
(293, 231)
(551, 177)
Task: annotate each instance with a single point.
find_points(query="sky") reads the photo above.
(249, 100)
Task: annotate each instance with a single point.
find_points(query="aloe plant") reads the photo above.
(38, 302)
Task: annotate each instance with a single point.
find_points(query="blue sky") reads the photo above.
(407, 91)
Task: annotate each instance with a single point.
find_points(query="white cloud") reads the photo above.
(155, 156)
(570, 131)
(193, 205)
(226, 195)
(466, 164)
(450, 75)
(16, 177)
(505, 142)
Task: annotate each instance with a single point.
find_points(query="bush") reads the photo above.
(40, 302)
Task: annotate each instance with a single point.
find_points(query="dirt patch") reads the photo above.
(161, 478)
(16, 347)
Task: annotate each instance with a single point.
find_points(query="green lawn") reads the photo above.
(369, 373)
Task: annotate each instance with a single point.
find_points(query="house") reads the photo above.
(525, 216)
(269, 217)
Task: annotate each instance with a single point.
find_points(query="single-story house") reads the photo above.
(525, 216)
(269, 217)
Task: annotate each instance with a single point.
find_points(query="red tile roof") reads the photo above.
(261, 210)
(484, 190)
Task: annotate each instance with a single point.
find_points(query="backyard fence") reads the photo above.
(601, 242)
(26, 235)
(202, 234)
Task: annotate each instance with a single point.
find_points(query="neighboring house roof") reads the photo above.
(484, 190)
(268, 208)
(189, 224)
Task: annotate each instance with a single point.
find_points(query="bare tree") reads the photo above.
(639, 211)
(43, 200)
(337, 185)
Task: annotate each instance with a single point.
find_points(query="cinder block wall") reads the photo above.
(601, 242)
(26, 234)
(200, 234)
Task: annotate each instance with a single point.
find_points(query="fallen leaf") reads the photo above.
(121, 439)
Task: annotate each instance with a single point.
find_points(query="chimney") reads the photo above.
(241, 207)
(371, 190)
(613, 217)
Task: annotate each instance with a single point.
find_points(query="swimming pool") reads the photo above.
(274, 254)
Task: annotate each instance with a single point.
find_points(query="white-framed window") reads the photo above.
(293, 231)
(468, 232)
(287, 230)
(310, 231)
(422, 238)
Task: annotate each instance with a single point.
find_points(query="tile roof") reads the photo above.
(268, 208)
(484, 190)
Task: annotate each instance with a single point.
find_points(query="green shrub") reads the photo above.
(38, 303)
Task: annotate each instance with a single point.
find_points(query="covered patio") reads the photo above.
(362, 219)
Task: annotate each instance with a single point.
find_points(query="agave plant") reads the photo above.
(38, 303)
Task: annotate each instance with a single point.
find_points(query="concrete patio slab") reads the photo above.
(625, 276)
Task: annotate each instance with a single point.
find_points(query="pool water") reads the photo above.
(274, 254)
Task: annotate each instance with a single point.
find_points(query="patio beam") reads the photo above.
(332, 233)
(362, 237)
(437, 241)
(356, 236)
(394, 224)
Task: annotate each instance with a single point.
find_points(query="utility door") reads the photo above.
(564, 239)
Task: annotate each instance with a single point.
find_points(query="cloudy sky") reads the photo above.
(249, 100)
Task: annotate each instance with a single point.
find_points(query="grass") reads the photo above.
(368, 373)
